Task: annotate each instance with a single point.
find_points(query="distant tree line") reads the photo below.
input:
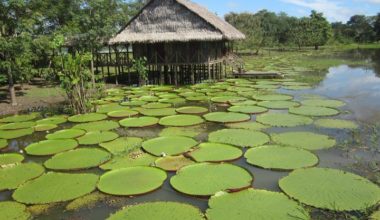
(268, 29)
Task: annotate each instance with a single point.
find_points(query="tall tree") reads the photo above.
(377, 27)
(361, 28)
(319, 29)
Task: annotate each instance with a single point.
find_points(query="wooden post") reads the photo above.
(209, 69)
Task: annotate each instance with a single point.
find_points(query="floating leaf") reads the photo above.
(122, 113)
(173, 101)
(247, 109)
(149, 98)
(18, 118)
(159, 211)
(132, 159)
(156, 105)
(297, 87)
(3, 143)
(55, 187)
(214, 152)
(250, 125)
(50, 147)
(56, 120)
(375, 216)
(314, 111)
(82, 158)
(254, 204)
(122, 145)
(273, 97)
(226, 117)
(244, 103)
(6, 159)
(192, 110)
(158, 112)
(110, 108)
(283, 120)
(90, 117)
(206, 179)
(13, 134)
(181, 120)
(331, 189)
(181, 131)
(172, 163)
(170, 146)
(278, 104)
(65, 134)
(139, 122)
(17, 125)
(88, 201)
(131, 181)
(227, 99)
(13, 176)
(97, 126)
(305, 140)
(239, 137)
(329, 103)
(336, 123)
(97, 137)
(45, 127)
(133, 103)
(14, 211)
(280, 158)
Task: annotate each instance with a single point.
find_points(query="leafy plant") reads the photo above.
(140, 65)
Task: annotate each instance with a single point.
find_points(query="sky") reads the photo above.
(334, 10)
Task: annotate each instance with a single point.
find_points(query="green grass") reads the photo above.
(44, 92)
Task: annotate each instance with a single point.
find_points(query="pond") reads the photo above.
(348, 93)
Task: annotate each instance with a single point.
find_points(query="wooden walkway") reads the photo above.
(258, 75)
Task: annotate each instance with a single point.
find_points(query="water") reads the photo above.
(359, 87)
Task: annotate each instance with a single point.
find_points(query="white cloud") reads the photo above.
(372, 1)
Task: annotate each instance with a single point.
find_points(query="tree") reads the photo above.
(319, 29)
(361, 28)
(377, 27)
(299, 34)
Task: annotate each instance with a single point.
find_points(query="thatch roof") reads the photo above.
(175, 20)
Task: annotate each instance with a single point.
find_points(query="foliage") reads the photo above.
(140, 65)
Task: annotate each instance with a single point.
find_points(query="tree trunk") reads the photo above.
(316, 47)
(92, 74)
(11, 87)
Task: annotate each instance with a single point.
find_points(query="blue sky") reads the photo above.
(334, 10)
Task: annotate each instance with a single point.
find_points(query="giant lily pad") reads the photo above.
(173, 100)
(158, 112)
(97, 126)
(226, 117)
(65, 134)
(139, 122)
(250, 125)
(181, 120)
(122, 113)
(278, 104)
(55, 187)
(239, 137)
(247, 109)
(244, 103)
(331, 189)
(18, 118)
(12, 158)
(329, 103)
(12, 134)
(3, 143)
(17, 125)
(172, 163)
(254, 204)
(181, 131)
(110, 108)
(156, 105)
(149, 98)
(122, 145)
(56, 120)
(305, 140)
(273, 97)
(50, 147)
(227, 99)
(13, 176)
(159, 211)
(206, 179)
(131, 181)
(336, 123)
(14, 211)
(97, 137)
(82, 158)
(45, 127)
(132, 159)
(192, 110)
(281, 158)
(283, 120)
(133, 103)
(213, 152)
(314, 111)
(172, 145)
(87, 117)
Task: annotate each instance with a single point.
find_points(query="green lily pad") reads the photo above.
(18, 118)
(3, 143)
(269, 87)
(55, 187)
(90, 117)
(18, 125)
(227, 99)
(273, 97)
(331, 189)
(159, 211)
(314, 111)
(104, 109)
(170, 146)
(132, 181)
(336, 123)
(149, 98)
(139, 122)
(156, 105)
(13, 134)
(283, 120)
(51, 147)
(198, 98)
(82, 158)
(122, 114)
(297, 87)
(97, 137)
(181, 131)
(132, 159)
(133, 103)
(278, 104)
(375, 216)
(205, 179)
(12, 158)
(88, 201)
(248, 109)
(305, 140)
(122, 145)
(181, 120)
(158, 112)
(13, 176)
(244, 103)
(280, 158)
(56, 120)
(214, 152)
(226, 117)
(328, 103)
(172, 163)
(250, 125)
(65, 134)
(45, 127)
(192, 110)
(239, 137)
(254, 204)
(14, 211)
(97, 126)
(173, 101)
